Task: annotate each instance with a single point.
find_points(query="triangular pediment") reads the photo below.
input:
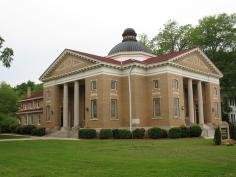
(67, 63)
(197, 61)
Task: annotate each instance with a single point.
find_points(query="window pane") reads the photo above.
(93, 85)
(156, 83)
(176, 107)
(156, 107)
(113, 85)
(114, 108)
(94, 108)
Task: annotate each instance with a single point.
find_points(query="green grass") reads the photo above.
(121, 158)
(12, 137)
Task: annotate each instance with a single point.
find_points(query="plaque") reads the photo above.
(224, 133)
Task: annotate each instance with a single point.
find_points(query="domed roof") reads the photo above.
(129, 43)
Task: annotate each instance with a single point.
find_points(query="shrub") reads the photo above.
(217, 136)
(115, 133)
(185, 131)
(233, 132)
(125, 134)
(5, 122)
(87, 133)
(27, 129)
(195, 131)
(164, 133)
(155, 133)
(175, 132)
(38, 132)
(106, 134)
(13, 128)
(138, 133)
(19, 130)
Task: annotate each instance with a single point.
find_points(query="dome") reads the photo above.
(129, 43)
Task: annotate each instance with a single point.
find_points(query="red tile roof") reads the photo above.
(103, 59)
(151, 60)
(34, 96)
(165, 57)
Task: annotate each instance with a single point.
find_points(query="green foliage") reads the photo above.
(125, 134)
(156, 133)
(175, 132)
(106, 134)
(27, 129)
(195, 131)
(38, 132)
(233, 131)
(217, 136)
(164, 133)
(21, 89)
(115, 133)
(185, 131)
(6, 54)
(138, 133)
(87, 133)
(8, 99)
(5, 122)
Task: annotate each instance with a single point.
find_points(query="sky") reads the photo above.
(39, 30)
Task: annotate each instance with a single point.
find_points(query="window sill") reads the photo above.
(93, 119)
(114, 119)
(157, 118)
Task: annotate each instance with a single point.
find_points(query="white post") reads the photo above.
(65, 106)
(76, 104)
(130, 99)
(190, 101)
(200, 102)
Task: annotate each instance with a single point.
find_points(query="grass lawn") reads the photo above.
(121, 158)
(12, 137)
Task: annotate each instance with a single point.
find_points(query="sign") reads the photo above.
(224, 133)
(135, 121)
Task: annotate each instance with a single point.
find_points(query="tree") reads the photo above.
(8, 100)
(217, 136)
(21, 89)
(215, 33)
(5, 54)
(172, 38)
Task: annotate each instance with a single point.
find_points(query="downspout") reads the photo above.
(130, 98)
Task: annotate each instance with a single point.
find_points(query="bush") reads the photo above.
(5, 122)
(38, 132)
(175, 132)
(185, 131)
(125, 134)
(156, 133)
(164, 133)
(27, 129)
(87, 133)
(195, 131)
(19, 130)
(233, 132)
(138, 133)
(217, 136)
(106, 134)
(115, 133)
(13, 128)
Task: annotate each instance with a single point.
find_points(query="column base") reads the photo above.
(65, 129)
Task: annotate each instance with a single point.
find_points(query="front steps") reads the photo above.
(208, 131)
(63, 134)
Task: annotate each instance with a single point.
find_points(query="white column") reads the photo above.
(190, 101)
(65, 106)
(200, 102)
(76, 104)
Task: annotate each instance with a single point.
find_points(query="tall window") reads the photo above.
(215, 109)
(215, 91)
(114, 85)
(30, 119)
(93, 85)
(114, 109)
(175, 84)
(48, 113)
(156, 107)
(176, 107)
(156, 84)
(94, 109)
(39, 119)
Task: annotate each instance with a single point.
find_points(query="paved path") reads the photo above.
(36, 138)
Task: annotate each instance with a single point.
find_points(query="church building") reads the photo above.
(130, 87)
